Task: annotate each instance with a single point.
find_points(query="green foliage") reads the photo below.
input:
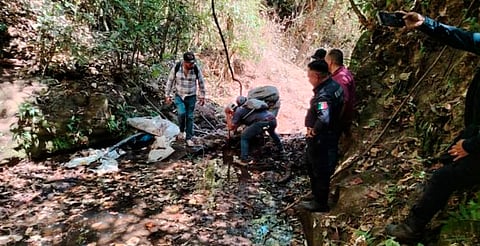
(463, 224)
(369, 238)
(112, 124)
(429, 134)
(241, 25)
(156, 70)
(422, 49)
(367, 6)
(61, 143)
(74, 33)
(373, 123)
(209, 176)
(59, 35)
(31, 122)
(469, 211)
(76, 131)
(425, 4)
(389, 242)
(118, 121)
(144, 28)
(392, 192)
(3, 27)
(129, 34)
(472, 24)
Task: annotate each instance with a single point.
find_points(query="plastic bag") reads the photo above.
(156, 126)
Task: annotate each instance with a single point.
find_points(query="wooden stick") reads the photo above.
(294, 202)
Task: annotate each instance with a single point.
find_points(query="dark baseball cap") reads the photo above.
(189, 56)
(319, 54)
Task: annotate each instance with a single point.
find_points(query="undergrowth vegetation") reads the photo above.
(134, 42)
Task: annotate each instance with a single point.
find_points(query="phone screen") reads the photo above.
(394, 19)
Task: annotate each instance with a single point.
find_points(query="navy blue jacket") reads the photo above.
(468, 41)
(325, 107)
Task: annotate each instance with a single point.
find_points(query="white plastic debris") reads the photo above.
(109, 165)
(164, 130)
(93, 155)
(156, 126)
(114, 154)
(161, 149)
(4, 240)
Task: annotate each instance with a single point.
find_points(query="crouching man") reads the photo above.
(256, 120)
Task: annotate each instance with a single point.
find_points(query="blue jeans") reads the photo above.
(254, 130)
(185, 110)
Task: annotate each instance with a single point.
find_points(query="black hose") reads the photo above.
(225, 46)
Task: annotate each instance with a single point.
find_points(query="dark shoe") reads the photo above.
(403, 233)
(314, 206)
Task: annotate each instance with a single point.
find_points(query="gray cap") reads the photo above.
(241, 100)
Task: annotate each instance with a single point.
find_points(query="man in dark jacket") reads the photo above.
(462, 170)
(322, 122)
(257, 122)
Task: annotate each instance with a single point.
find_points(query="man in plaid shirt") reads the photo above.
(182, 87)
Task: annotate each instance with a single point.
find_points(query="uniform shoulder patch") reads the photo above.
(322, 105)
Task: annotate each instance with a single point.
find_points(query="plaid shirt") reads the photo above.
(185, 85)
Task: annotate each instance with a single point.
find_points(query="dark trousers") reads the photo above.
(255, 129)
(321, 160)
(460, 175)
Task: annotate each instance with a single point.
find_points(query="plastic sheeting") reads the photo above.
(164, 130)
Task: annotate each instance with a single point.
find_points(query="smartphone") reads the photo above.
(394, 19)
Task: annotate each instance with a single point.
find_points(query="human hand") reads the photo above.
(412, 19)
(201, 101)
(168, 100)
(229, 109)
(310, 132)
(457, 150)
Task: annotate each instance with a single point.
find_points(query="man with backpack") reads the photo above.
(323, 131)
(182, 87)
(255, 115)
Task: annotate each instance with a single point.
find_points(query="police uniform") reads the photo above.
(455, 175)
(321, 154)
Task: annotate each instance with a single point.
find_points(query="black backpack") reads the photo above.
(177, 67)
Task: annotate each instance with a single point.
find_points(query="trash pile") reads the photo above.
(152, 129)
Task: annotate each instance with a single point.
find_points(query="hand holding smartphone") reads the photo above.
(393, 19)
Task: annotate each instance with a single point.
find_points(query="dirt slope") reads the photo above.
(274, 68)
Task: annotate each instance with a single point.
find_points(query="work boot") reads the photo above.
(403, 232)
(314, 206)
